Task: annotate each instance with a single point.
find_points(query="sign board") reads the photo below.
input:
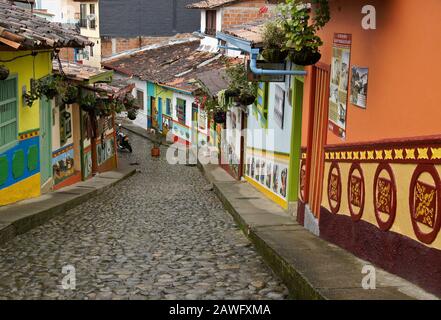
(338, 101)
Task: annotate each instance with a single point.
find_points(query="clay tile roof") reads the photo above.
(80, 72)
(251, 31)
(175, 65)
(22, 30)
(210, 4)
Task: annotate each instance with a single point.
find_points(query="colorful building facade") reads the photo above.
(371, 159)
(25, 125)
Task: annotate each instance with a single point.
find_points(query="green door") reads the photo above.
(45, 140)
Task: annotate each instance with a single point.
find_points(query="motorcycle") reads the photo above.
(122, 140)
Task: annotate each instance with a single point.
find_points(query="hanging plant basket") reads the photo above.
(4, 73)
(305, 57)
(232, 93)
(274, 55)
(71, 95)
(88, 102)
(246, 99)
(131, 114)
(220, 117)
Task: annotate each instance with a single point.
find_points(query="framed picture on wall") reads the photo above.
(279, 106)
(359, 86)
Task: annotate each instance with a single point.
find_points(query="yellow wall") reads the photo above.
(29, 118)
(403, 175)
(25, 189)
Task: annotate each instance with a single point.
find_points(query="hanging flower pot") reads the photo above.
(4, 73)
(88, 102)
(246, 99)
(220, 117)
(71, 95)
(274, 55)
(131, 114)
(231, 93)
(305, 57)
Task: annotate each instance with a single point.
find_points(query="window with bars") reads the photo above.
(210, 22)
(140, 98)
(168, 106)
(8, 112)
(180, 110)
(83, 16)
(93, 17)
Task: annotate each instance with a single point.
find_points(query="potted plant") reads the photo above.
(29, 98)
(88, 102)
(105, 107)
(47, 87)
(69, 94)
(273, 42)
(4, 73)
(132, 113)
(301, 35)
(238, 82)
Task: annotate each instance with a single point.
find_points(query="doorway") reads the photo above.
(317, 133)
(45, 140)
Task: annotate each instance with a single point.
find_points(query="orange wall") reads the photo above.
(403, 56)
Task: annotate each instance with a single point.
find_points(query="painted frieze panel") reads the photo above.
(356, 192)
(424, 201)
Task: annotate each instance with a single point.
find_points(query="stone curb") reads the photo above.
(299, 288)
(26, 223)
(299, 283)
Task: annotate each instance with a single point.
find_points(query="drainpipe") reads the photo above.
(253, 66)
(254, 53)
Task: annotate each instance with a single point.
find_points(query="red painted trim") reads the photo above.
(385, 225)
(426, 238)
(312, 84)
(386, 143)
(356, 216)
(76, 177)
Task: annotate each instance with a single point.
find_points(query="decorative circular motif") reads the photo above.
(385, 196)
(424, 203)
(302, 179)
(356, 192)
(334, 188)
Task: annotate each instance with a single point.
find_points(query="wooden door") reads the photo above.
(154, 113)
(317, 130)
(45, 140)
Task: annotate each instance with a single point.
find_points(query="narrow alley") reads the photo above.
(156, 235)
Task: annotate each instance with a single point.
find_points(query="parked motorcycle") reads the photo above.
(122, 140)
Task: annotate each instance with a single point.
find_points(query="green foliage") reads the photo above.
(48, 87)
(88, 101)
(238, 81)
(68, 92)
(295, 19)
(273, 36)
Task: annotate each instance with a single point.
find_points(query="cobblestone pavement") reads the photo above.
(157, 235)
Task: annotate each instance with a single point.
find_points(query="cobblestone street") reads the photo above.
(157, 235)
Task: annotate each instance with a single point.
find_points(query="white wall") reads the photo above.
(64, 10)
(141, 119)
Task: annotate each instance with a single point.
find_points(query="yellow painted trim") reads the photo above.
(25, 189)
(266, 153)
(272, 196)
